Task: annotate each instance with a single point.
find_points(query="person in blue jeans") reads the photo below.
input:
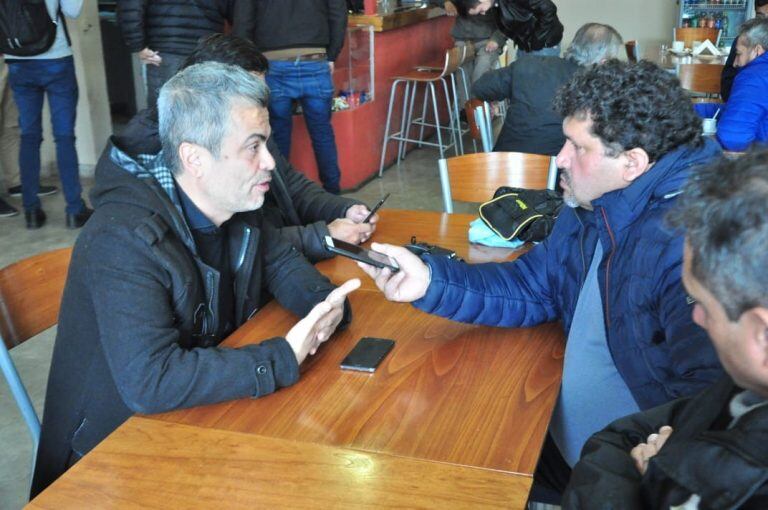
(310, 83)
(51, 73)
(301, 39)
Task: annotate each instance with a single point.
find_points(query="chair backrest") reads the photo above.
(631, 49)
(30, 298)
(688, 35)
(453, 58)
(704, 78)
(475, 177)
(469, 109)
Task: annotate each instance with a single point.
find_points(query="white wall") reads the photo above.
(642, 20)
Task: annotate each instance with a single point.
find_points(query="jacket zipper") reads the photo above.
(608, 270)
(242, 276)
(212, 313)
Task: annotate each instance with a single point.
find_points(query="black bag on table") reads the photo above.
(525, 214)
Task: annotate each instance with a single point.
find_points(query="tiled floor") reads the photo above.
(414, 185)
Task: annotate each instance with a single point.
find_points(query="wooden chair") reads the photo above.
(475, 177)
(30, 297)
(702, 78)
(688, 35)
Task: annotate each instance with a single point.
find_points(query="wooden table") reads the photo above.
(668, 60)
(454, 417)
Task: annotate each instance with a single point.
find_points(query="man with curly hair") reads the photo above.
(610, 271)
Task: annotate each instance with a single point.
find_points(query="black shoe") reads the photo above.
(7, 210)
(43, 191)
(35, 218)
(78, 220)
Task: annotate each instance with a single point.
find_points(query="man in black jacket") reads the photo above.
(531, 82)
(174, 260)
(710, 450)
(531, 24)
(302, 210)
(301, 39)
(164, 32)
(729, 71)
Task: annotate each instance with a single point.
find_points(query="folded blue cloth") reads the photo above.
(479, 233)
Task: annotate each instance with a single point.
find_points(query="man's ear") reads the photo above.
(757, 324)
(637, 163)
(192, 158)
(759, 50)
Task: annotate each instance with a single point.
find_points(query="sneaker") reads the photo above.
(7, 210)
(43, 191)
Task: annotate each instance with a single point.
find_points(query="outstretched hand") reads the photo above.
(409, 283)
(320, 323)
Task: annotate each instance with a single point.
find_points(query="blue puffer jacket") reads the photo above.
(657, 349)
(745, 118)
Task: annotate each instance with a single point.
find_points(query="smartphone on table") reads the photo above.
(370, 257)
(367, 354)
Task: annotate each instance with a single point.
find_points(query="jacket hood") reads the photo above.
(663, 181)
(141, 135)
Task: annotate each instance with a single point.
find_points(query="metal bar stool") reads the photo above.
(411, 82)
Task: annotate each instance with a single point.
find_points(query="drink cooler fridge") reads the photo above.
(735, 11)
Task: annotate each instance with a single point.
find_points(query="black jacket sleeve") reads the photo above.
(337, 27)
(606, 468)
(295, 283)
(131, 296)
(494, 85)
(130, 19)
(728, 75)
(244, 18)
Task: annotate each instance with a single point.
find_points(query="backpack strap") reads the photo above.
(60, 17)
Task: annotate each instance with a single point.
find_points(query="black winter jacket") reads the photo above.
(726, 468)
(530, 83)
(135, 332)
(173, 26)
(296, 205)
(281, 24)
(531, 24)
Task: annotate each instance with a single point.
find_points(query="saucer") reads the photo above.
(683, 53)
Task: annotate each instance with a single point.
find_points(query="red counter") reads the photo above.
(401, 42)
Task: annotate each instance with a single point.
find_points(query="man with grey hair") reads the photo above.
(530, 83)
(173, 260)
(744, 118)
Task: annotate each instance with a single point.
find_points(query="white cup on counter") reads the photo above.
(678, 46)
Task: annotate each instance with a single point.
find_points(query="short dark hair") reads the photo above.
(760, 3)
(228, 49)
(632, 105)
(724, 211)
(463, 6)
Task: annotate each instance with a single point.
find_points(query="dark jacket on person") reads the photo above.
(476, 28)
(531, 24)
(140, 318)
(728, 74)
(726, 467)
(296, 205)
(657, 349)
(281, 24)
(529, 83)
(173, 26)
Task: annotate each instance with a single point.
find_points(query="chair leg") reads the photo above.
(456, 113)
(451, 127)
(437, 119)
(445, 185)
(20, 395)
(423, 114)
(387, 125)
(403, 120)
(409, 121)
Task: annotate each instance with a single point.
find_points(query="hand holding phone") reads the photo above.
(376, 208)
(370, 257)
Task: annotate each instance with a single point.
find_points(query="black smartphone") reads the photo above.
(370, 257)
(376, 208)
(367, 354)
